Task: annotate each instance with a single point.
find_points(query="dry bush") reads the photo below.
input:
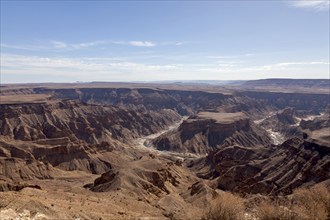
(312, 203)
(273, 211)
(226, 207)
(305, 203)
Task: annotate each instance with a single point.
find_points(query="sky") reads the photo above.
(69, 41)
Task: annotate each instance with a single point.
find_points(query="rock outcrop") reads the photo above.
(100, 133)
(283, 122)
(293, 84)
(318, 128)
(322, 121)
(299, 101)
(206, 131)
(181, 101)
(77, 121)
(6, 186)
(276, 170)
(283, 118)
(144, 177)
(70, 135)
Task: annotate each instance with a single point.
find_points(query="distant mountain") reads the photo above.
(307, 83)
(200, 82)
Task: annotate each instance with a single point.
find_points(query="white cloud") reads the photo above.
(120, 69)
(318, 69)
(249, 54)
(178, 43)
(320, 5)
(229, 63)
(76, 46)
(142, 43)
(55, 45)
(296, 64)
(136, 43)
(59, 44)
(87, 44)
(82, 68)
(231, 56)
(24, 47)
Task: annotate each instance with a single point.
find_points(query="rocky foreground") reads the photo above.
(109, 153)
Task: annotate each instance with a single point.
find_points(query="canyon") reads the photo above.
(165, 151)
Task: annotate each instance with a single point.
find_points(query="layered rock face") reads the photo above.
(91, 132)
(314, 86)
(282, 118)
(205, 131)
(318, 128)
(275, 170)
(84, 129)
(80, 122)
(183, 102)
(69, 135)
(316, 122)
(293, 84)
(285, 123)
(290, 123)
(299, 101)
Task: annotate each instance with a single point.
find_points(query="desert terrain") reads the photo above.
(165, 150)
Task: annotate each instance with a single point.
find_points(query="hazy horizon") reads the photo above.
(163, 41)
(187, 82)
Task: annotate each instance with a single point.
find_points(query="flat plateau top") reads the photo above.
(221, 117)
(117, 85)
(24, 98)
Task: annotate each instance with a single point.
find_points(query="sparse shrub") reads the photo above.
(226, 207)
(305, 203)
(312, 203)
(273, 211)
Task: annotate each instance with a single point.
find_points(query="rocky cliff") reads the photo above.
(273, 170)
(205, 131)
(70, 135)
(77, 121)
(299, 101)
(181, 101)
(317, 128)
(57, 141)
(283, 122)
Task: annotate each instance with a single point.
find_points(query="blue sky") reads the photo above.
(68, 41)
